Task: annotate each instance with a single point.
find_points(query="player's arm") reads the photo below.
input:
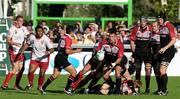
(120, 54)
(68, 47)
(71, 51)
(172, 36)
(25, 46)
(132, 39)
(10, 42)
(50, 47)
(9, 38)
(28, 42)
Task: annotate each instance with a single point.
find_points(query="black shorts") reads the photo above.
(93, 62)
(122, 64)
(143, 55)
(167, 56)
(155, 52)
(61, 61)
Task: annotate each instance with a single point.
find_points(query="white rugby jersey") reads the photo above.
(17, 35)
(39, 47)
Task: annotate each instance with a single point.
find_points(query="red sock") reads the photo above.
(40, 81)
(80, 76)
(31, 78)
(8, 78)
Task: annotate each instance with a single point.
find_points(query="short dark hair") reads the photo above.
(19, 16)
(38, 27)
(112, 31)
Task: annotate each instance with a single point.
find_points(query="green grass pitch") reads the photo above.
(55, 91)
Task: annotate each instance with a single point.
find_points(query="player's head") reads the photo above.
(39, 31)
(178, 35)
(62, 32)
(19, 21)
(143, 21)
(112, 38)
(155, 26)
(161, 18)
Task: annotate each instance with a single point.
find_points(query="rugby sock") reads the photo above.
(118, 84)
(164, 82)
(31, 78)
(131, 85)
(78, 79)
(71, 79)
(19, 76)
(110, 82)
(94, 81)
(40, 81)
(147, 78)
(85, 81)
(138, 74)
(49, 80)
(158, 80)
(8, 78)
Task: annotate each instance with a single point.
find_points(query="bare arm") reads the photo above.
(25, 46)
(10, 42)
(70, 51)
(132, 45)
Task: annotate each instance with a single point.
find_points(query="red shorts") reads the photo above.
(16, 57)
(41, 65)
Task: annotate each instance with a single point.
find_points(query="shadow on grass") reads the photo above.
(55, 91)
(11, 90)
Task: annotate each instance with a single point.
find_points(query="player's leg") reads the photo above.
(72, 76)
(164, 77)
(19, 74)
(138, 65)
(84, 81)
(51, 78)
(57, 69)
(32, 68)
(107, 78)
(41, 78)
(148, 76)
(80, 76)
(118, 80)
(10, 74)
(96, 78)
(157, 75)
(130, 82)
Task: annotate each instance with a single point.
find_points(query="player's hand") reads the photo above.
(78, 50)
(47, 53)
(113, 65)
(162, 50)
(133, 48)
(17, 44)
(93, 71)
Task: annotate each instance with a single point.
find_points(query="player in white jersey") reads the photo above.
(42, 47)
(15, 38)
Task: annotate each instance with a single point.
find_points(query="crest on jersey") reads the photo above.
(42, 42)
(15, 31)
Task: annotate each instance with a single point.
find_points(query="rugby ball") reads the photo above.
(100, 55)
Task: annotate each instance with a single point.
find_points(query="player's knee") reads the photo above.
(55, 75)
(13, 72)
(106, 77)
(74, 73)
(162, 71)
(42, 74)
